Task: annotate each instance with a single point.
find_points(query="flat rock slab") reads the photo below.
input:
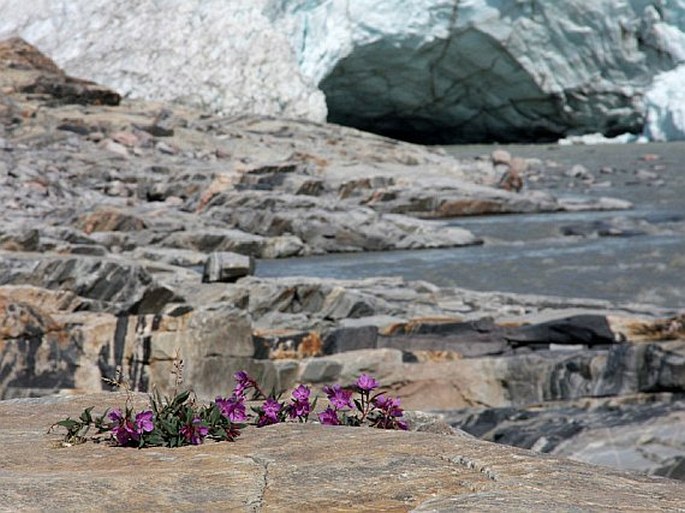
(298, 467)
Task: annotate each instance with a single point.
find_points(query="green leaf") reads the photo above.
(181, 398)
(86, 417)
(68, 423)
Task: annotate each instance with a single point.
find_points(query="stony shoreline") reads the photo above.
(110, 207)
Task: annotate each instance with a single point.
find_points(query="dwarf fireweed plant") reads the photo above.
(179, 420)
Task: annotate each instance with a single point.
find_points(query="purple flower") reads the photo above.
(243, 382)
(366, 383)
(329, 417)
(338, 396)
(144, 422)
(301, 393)
(123, 429)
(269, 412)
(300, 409)
(116, 416)
(233, 408)
(195, 431)
(390, 406)
(300, 406)
(390, 412)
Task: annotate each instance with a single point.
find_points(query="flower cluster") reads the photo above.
(377, 410)
(177, 421)
(169, 422)
(128, 432)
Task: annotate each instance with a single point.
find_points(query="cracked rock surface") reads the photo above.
(298, 467)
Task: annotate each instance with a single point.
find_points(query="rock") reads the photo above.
(281, 344)
(36, 354)
(176, 257)
(162, 125)
(227, 267)
(342, 304)
(579, 204)
(213, 344)
(321, 371)
(484, 337)
(47, 345)
(325, 225)
(213, 240)
(586, 330)
(20, 240)
(109, 220)
(511, 181)
(350, 339)
(283, 246)
(501, 157)
(578, 171)
(644, 435)
(117, 284)
(643, 174)
(614, 227)
(378, 470)
(673, 468)
(49, 80)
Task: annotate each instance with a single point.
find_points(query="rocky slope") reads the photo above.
(436, 70)
(129, 229)
(298, 467)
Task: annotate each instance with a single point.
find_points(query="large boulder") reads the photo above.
(112, 284)
(302, 467)
(48, 344)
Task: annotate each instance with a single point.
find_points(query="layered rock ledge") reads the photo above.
(299, 467)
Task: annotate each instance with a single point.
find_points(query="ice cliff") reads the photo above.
(427, 70)
(223, 55)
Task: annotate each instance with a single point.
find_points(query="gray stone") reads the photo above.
(350, 339)
(278, 344)
(177, 257)
(227, 267)
(20, 240)
(327, 225)
(283, 246)
(634, 433)
(320, 370)
(36, 353)
(221, 240)
(118, 284)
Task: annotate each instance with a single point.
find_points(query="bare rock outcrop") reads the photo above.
(298, 467)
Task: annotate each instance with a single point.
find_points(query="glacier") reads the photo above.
(425, 70)
(665, 107)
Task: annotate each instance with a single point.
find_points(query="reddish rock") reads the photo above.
(110, 220)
